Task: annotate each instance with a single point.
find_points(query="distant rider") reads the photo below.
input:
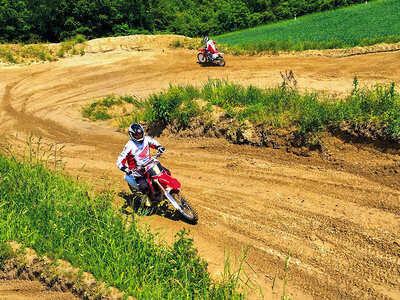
(210, 47)
(135, 155)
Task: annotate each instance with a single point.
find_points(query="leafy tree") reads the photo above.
(50, 20)
(14, 24)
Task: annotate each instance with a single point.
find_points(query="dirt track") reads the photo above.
(338, 213)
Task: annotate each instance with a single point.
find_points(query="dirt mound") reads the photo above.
(242, 133)
(130, 43)
(59, 280)
(220, 125)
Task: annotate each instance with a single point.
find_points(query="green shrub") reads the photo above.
(176, 103)
(42, 55)
(101, 114)
(68, 46)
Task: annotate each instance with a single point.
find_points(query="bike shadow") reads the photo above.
(208, 64)
(139, 208)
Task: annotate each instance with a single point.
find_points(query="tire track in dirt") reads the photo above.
(329, 231)
(338, 216)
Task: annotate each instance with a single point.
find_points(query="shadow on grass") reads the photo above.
(161, 209)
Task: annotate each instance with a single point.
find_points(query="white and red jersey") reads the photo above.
(210, 46)
(136, 155)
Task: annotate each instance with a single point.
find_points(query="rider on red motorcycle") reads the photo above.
(210, 47)
(135, 154)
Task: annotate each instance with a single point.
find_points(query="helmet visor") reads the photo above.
(138, 135)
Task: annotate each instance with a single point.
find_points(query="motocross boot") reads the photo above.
(147, 201)
(145, 198)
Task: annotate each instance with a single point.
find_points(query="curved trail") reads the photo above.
(338, 213)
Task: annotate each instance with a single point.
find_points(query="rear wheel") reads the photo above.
(220, 61)
(187, 211)
(202, 58)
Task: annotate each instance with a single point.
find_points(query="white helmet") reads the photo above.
(205, 40)
(136, 132)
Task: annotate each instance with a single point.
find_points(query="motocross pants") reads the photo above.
(142, 184)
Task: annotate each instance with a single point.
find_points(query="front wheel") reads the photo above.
(186, 209)
(220, 61)
(202, 58)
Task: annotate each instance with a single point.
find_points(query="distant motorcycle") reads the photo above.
(164, 187)
(206, 57)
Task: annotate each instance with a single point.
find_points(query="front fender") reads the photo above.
(166, 180)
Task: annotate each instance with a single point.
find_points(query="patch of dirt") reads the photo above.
(336, 211)
(27, 276)
(241, 133)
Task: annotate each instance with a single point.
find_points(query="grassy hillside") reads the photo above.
(57, 217)
(361, 24)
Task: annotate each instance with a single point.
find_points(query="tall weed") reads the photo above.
(69, 45)
(177, 103)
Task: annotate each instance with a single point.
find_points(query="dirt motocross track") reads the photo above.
(337, 212)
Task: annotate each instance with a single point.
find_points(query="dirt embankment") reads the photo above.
(289, 139)
(28, 276)
(337, 211)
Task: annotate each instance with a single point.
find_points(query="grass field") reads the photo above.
(362, 24)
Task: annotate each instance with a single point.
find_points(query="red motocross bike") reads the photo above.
(162, 186)
(204, 57)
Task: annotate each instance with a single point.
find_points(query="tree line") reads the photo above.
(54, 21)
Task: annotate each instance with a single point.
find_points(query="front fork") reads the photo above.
(168, 195)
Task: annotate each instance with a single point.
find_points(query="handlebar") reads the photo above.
(151, 160)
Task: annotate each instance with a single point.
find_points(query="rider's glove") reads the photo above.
(161, 149)
(128, 171)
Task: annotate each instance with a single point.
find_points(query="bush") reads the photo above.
(176, 103)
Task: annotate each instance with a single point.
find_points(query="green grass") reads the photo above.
(41, 52)
(103, 109)
(283, 107)
(189, 43)
(68, 46)
(5, 252)
(358, 25)
(57, 217)
(100, 110)
(177, 103)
